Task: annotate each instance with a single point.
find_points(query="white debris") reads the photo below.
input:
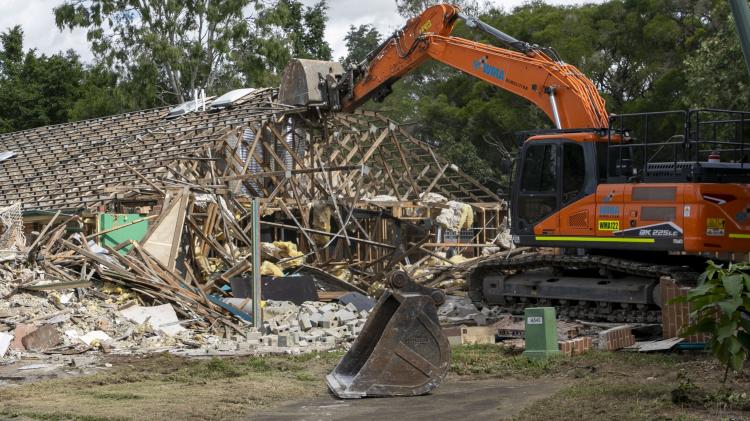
(382, 198)
(432, 198)
(5, 340)
(162, 319)
(94, 335)
(456, 216)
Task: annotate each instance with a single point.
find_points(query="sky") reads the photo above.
(37, 20)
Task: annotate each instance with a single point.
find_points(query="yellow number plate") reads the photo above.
(715, 223)
(609, 225)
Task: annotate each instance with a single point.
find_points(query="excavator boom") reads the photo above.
(568, 97)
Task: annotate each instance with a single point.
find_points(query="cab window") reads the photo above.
(539, 169)
(574, 171)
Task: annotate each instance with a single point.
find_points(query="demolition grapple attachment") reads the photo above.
(401, 350)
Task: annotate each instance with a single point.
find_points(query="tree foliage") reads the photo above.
(718, 77)
(360, 40)
(721, 308)
(282, 32)
(184, 45)
(185, 41)
(38, 90)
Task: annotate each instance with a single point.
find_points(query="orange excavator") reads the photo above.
(621, 199)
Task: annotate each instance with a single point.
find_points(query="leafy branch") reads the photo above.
(720, 305)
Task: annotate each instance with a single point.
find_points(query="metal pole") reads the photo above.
(255, 223)
(553, 104)
(741, 14)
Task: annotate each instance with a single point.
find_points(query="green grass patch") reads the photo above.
(493, 360)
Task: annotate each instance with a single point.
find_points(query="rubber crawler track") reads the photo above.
(600, 311)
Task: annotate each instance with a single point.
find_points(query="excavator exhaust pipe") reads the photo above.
(311, 83)
(401, 350)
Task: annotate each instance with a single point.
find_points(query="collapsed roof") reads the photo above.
(84, 164)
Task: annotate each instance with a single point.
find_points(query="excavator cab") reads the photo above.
(554, 170)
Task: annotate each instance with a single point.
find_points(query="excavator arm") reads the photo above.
(568, 97)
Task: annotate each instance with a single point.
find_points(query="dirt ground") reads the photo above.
(484, 382)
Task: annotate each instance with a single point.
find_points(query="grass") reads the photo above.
(167, 386)
(596, 385)
(493, 361)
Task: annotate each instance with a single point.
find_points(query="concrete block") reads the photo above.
(270, 340)
(283, 341)
(283, 327)
(247, 345)
(305, 323)
(226, 346)
(363, 314)
(316, 318)
(253, 336)
(344, 316)
(316, 333)
(351, 307)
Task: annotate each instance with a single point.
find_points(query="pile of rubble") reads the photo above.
(111, 322)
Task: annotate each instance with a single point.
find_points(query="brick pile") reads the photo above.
(616, 338)
(674, 317)
(576, 346)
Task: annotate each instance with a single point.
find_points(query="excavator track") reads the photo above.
(590, 287)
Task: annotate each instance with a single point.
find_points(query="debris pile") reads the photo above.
(344, 201)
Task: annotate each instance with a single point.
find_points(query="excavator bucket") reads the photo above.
(310, 83)
(401, 350)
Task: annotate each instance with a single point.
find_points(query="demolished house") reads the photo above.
(153, 208)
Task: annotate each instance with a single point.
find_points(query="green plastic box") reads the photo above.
(541, 333)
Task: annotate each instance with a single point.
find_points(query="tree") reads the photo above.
(35, 90)
(360, 40)
(284, 31)
(38, 90)
(717, 76)
(185, 42)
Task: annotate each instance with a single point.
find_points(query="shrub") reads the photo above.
(720, 305)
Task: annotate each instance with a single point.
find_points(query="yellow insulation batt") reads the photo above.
(269, 269)
(456, 216)
(321, 221)
(288, 250)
